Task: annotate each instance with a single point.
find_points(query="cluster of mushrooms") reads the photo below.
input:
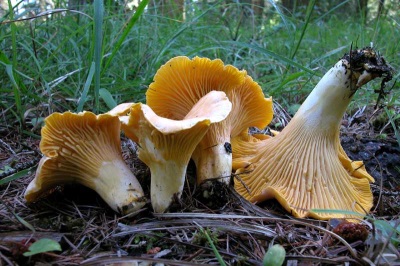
(201, 109)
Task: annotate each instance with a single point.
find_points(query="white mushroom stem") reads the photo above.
(84, 148)
(181, 82)
(114, 182)
(325, 106)
(165, 145)
(215, 162)
(112, 189)
(304, 167)
(167, 154)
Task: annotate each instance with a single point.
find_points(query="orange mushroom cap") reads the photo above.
(84, 148)
(305, 167)
(165, 145)
(181, 82)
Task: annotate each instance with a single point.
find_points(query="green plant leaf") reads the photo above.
(389, 229)
(275, 256)
(42, 245)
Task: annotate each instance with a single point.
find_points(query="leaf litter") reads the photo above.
(91, 234)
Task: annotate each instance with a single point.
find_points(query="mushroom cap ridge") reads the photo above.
(84, 148)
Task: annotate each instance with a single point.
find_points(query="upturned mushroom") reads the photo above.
(84, 148)
(181, 82)
(305, 167)
(165, 145)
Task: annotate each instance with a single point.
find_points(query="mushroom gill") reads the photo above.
(85, 149)
(305, 167)
(181, 82)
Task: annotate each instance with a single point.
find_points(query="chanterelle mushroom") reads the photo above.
(84, 148)
(304, 167)
(165, 145)
(181, 82)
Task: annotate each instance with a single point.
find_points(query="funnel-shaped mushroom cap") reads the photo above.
(178, 86)
(165, 145)
(244, 147)
(121, 109)
(304, 167)
(303, 171)
(84, 148)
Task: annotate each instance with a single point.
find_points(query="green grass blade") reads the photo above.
(4, 61)
(132, 21)
(395, 128)
(17, 175)
(30, 134)
(329, 12)
(19, 218)
(23, 222)
(17, 93)
(345, 212)
(271, 54)
(98, 39)
(183, 28)
(279, 12)
(29, 51)
(107, 98)
(89, 79)
(310, 8)
(13, 34)
(210, 241)
(328, 54)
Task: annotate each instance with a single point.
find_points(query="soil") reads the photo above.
(362, 138)
(92, 234)
(382, 161)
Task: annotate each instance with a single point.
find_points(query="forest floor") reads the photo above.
(197, 230)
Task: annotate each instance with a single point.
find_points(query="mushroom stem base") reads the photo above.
(117, 185)
(214, 163)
